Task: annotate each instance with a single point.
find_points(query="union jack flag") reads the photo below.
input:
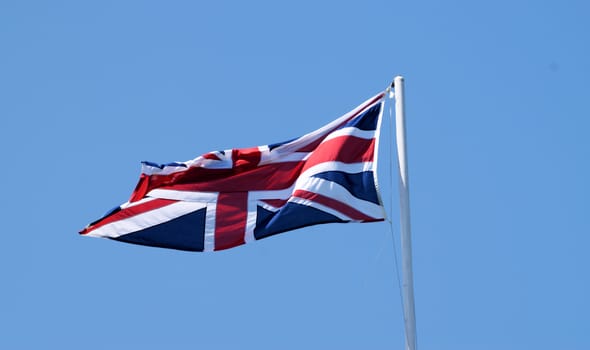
(227, 198)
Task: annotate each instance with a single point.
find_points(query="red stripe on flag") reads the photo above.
(142, 187)
(246, 158)
(345, 149)
(230, 219)
(334, 204)
(128, 213)
(275, 176)
(277, 203)
(211, 156)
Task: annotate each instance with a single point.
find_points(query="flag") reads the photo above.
(227, 198)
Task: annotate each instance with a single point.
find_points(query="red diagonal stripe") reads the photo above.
(128, 212)
(334, 204)
(277, 203)
(345, 149)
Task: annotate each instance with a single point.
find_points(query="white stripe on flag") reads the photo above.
(351, 131)
(268, 157)
(209, 240)
(146, 220)
(352, 168)
(251, 220)
(190, 196)
(310, 203)
(335, 191)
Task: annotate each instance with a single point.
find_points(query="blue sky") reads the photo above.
(497, 121)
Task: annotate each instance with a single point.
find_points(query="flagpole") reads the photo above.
(404, 192)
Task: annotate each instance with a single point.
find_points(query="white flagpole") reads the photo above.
(404, 193)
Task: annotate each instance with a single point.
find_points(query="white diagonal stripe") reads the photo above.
(146, 220)
(335, 191)
(351, 131)
(268, 157)
(321, 207)
(352, 168)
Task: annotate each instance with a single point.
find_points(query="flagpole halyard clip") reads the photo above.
(390, 89)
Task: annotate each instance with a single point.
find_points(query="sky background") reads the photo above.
(498, 122)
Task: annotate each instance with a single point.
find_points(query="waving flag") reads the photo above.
(227, 198)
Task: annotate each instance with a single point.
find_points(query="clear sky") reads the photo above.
(498, 139)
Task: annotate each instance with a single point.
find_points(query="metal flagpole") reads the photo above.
(404, 192)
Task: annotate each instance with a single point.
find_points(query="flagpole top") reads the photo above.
(398, 79)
